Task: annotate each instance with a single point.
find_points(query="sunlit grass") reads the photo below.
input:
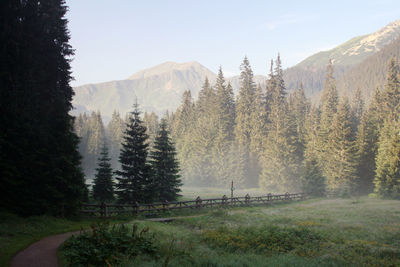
(325, 232)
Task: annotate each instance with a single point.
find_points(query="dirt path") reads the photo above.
(42, 253)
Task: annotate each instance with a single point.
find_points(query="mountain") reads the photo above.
(311, 71)
(157, 89)
(369, 73)
(360, 62)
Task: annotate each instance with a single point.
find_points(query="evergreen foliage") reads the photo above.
(280, 162)
(165, 166)
(387, 179)
(39, 161)
(114, 134)
(341, 166)
(134, 181)
(278, 140)
(103, 184)
(243, 127)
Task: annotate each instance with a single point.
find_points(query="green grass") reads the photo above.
(17, 233)
(317, 232)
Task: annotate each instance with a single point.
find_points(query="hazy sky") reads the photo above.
(115, 38)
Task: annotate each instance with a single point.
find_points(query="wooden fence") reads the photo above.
(107, 210)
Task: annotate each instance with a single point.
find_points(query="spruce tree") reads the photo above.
(366, 142)
(115, 131)
(224, 113)
(387, 179)
(243, 127)
(165, 166)
(39, 161)
(280, 163)
(357, 108)
(313, 180)
(103, 185)
(328, 107)
(341, 166)
(134, 181)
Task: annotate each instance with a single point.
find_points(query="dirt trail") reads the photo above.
(42, 253)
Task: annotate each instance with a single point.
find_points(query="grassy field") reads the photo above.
(17, 233)
(317, 232)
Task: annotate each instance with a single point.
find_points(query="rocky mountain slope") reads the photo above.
(360, 62)
(157, 89)
(311, 71)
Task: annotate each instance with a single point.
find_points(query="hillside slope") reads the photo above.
(311, 71)
(157, 89)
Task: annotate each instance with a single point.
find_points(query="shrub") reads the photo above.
(268, 239)
(103, 246)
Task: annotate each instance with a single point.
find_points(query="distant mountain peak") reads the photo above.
(356, 49)
(169, 66)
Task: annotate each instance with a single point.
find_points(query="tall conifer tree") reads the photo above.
(103, 184)
(165, 166)
(134, 178)
(341, 166)
(387, 179)
(39, 162)
(243, 127)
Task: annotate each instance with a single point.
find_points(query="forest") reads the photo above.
(274, 139)
(341, 152)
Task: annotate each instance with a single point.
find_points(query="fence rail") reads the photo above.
(107, 210)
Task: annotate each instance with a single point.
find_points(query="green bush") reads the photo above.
(105, 245)
(267, 239)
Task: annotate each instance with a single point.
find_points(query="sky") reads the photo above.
(113, 39)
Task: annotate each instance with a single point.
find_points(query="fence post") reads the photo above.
(224, 200)
(247, 199)
(165, 205)
(287, 196)
(198, 202)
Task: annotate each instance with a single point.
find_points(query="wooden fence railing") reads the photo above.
(106, 210)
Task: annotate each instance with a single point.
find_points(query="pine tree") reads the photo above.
(328, 107)
(313, 180)
(387, 179)
(341, 166)
(280, 163)
(357, 108)
(224, 113)
(39, 162)
(134, 179)
(244, 110)
(206, 100)
(151, 123)
(366, 141)
(95, 139)
(298, 109)
(115, 131)
(103, 185)
(165, 166)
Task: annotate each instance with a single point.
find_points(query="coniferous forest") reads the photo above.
(264, 136)
(268, 137)
(318, 181)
